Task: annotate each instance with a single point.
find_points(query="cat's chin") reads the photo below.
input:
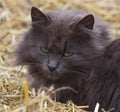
(52, 75)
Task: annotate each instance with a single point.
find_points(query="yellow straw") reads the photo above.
(25, 90)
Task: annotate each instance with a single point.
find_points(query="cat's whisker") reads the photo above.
(78, 71)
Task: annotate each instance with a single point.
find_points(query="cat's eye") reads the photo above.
(66, 54)
(44, 50)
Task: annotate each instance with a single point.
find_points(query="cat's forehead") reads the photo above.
(59, 30)
(59, 33)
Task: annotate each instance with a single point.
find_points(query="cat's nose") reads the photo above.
(52, 66)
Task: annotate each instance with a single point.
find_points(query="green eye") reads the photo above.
(44, 50)
(66, 54)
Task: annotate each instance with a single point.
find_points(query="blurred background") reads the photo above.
(15, 19)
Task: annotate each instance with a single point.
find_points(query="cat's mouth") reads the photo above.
(52, 75)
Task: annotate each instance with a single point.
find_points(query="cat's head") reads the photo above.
(58, 46)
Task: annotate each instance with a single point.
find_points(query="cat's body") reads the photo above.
(66, 49)
(105, 88)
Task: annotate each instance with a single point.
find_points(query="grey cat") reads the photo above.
(67, 49)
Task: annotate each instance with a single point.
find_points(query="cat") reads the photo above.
(66, 49)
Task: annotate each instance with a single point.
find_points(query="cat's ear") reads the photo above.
(87, 21)
(38, 16)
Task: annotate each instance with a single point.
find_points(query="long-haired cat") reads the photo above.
(66, 49)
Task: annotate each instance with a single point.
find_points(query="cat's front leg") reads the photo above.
(64, 96)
